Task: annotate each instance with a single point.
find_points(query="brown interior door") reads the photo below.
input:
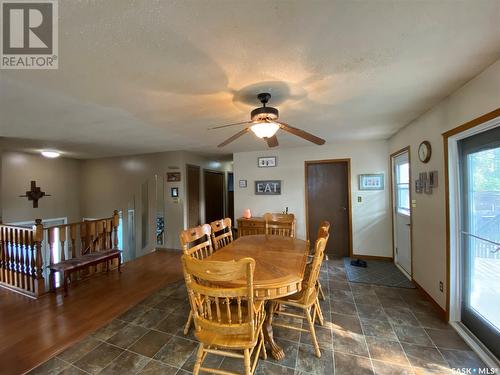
(193, 195)
(214, 195)
(230, 196)
(328, 199)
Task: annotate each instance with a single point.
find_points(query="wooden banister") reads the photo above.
(21, 266)
(84, 237)
(21, 249)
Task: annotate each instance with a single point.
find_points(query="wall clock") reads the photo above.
(424, 151)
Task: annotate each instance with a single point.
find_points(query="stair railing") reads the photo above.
(21, 264)
(77, 239)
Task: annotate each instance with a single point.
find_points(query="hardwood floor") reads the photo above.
(34, 330)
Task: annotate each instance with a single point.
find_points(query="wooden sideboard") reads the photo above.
(254, 225)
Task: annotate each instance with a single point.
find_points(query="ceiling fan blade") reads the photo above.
(227, 125)
(301, 133)
(272, 141)
(236, 136)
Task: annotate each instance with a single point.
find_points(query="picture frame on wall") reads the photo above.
(173, 176)
(374, 181)
(268, 187)
(433, 179)
(418, 187)
(428, 187)
(266, 161)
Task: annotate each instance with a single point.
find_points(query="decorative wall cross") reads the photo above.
(35, 194)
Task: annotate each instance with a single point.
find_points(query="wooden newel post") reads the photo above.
(39, 282)
(62, 239)
(116, 222)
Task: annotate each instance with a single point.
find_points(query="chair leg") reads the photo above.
(199, 358)
(313, 332)
(247, 362)
(188, 323)
(321, 294)
(264, 353)
(52, 282)
(65, 283)
(320, 313)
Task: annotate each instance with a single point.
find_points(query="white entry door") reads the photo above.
(402, 211)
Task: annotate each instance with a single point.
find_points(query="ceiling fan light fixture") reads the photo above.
(265, 129)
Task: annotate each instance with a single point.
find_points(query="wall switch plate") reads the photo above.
(360, 199)
(441, 288)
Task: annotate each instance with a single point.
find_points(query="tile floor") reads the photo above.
(378, 272)
(369, 330)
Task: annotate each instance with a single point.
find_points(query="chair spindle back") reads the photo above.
(280, 224)
(196, 242)
(222, 234)
(324, 229)
(222, 309)
(319, 253)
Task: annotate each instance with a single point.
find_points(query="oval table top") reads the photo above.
(279, 262)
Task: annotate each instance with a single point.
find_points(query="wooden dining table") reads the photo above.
(280, 264)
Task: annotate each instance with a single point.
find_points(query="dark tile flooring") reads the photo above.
(377, 272)
(368, 330)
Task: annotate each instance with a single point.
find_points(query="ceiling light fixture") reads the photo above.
(265, 129)
(51, 154)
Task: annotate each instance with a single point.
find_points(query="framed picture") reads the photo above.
(243, 183)
(433, 179)
(268, 187)
(418, 187)
(266, 161)
(427, 187)
(371, 181)
(173, 176)
(174, 192)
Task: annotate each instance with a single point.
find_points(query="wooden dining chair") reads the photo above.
(280, 224)
(227, 318)
(197, 243)
(306, 299)
(323, 231)
(222, 233)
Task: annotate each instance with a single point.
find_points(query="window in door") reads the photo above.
(403, 187)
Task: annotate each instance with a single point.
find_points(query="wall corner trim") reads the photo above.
(442, 312)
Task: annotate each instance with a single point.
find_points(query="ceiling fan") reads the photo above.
(264, 124)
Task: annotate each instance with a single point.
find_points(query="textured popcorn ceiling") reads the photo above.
(147, 76)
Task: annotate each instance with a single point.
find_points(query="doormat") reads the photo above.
(377, 272)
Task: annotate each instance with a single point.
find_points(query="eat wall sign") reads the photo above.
(268, 187)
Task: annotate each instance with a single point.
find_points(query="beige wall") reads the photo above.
(111, 183)
(479, 96)
(58, 177)
(370, 218)
(94, 188)
(115, 183)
